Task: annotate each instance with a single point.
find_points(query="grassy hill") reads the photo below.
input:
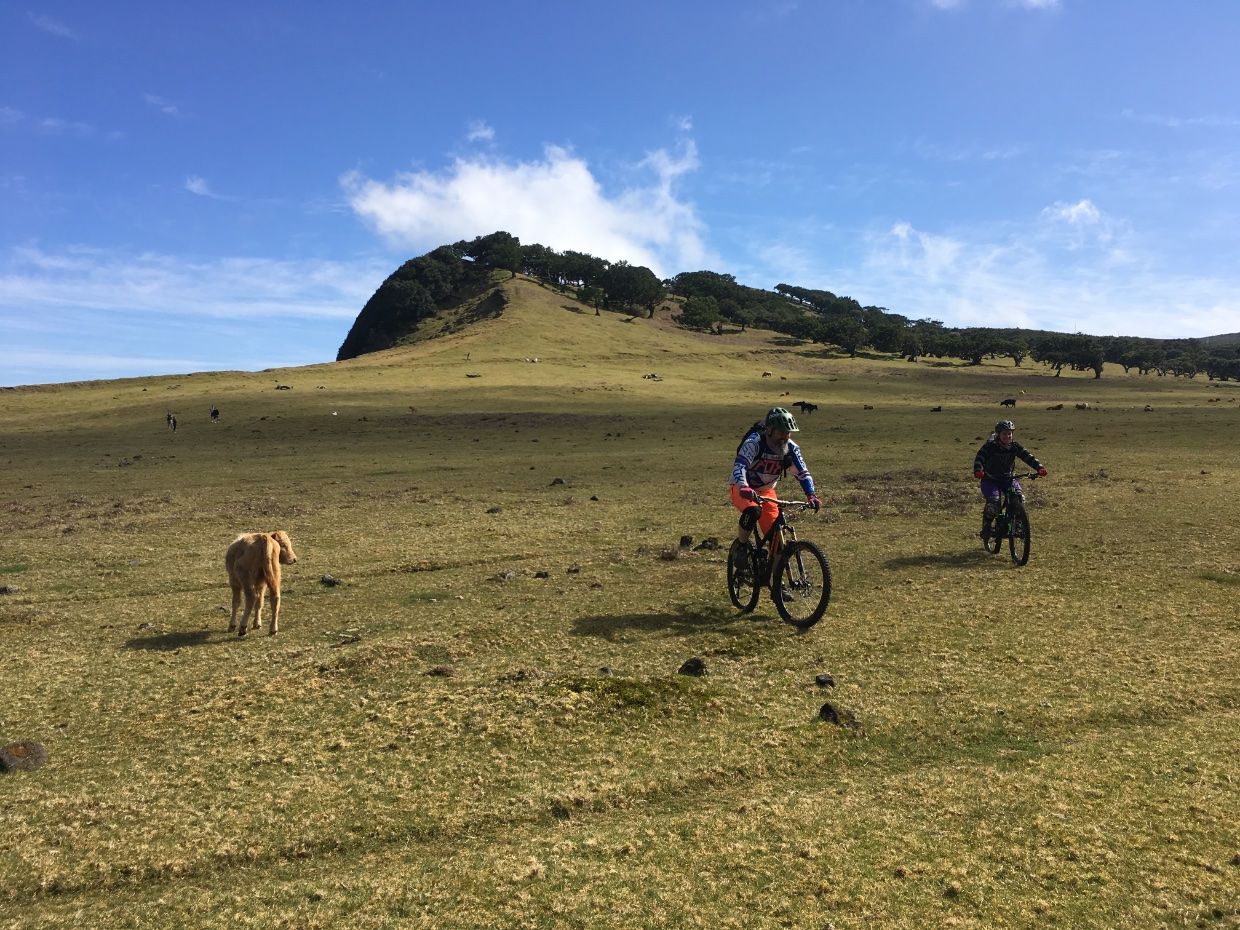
(447, 739)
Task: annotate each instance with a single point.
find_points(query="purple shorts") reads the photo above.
(993, 490)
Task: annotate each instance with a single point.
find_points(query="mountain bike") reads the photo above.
(1011, 522)
(799, 578)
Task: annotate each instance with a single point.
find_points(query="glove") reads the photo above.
(979, 474)
(814, 502)
(1041, 472)
(749, 494)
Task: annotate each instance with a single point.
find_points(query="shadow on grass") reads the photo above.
(166, 642)
(962, 559)
(681, 621)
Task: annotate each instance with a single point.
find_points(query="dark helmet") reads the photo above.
(1004, 424)
(781, 419)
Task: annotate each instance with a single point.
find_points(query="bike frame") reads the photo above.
(781, 530)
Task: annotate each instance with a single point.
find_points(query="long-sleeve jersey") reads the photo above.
(998, 460)
(759, 467)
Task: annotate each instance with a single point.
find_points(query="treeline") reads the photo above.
(451, 275)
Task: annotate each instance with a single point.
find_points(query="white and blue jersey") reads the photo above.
(760, 467)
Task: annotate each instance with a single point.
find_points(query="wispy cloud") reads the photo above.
(111, 314)
(1054, 272)
(198, 185)
(1183, 122)
(51, 26)
(479, 131)
(163, 106)
(53, 125)
(556, 201)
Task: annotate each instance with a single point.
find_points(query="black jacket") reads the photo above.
(997, 461)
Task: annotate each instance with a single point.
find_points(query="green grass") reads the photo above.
(434, 742)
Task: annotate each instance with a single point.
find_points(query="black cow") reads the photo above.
(1008, 402)
(806, 406)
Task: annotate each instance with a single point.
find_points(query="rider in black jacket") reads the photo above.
(993, 466)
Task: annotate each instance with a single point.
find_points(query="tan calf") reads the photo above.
(253, 561)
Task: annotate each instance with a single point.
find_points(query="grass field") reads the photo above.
(447, 740)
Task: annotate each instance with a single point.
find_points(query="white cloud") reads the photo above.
(53, 125)
(225, 288)
(10, 115)
(556, 202)
(85, 313)
(1182, 122)
(479, 131)
(1039, 4)
(1029, 277)
(51, 26)
(163, 106)
(1083, 212)
(199, 186)
(946, 4)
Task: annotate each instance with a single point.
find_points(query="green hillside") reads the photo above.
(483, 724)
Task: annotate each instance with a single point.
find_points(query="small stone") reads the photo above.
(686, 542)
(593, 497)
(824, 681)
(328, 581)
(495, 509)
(542, 574)
(606, 670)
(441, 671)
(573, 569)
(555, 481)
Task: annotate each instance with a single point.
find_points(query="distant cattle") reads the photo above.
(806, 406)
(1148, 408)
(215, 413)
(867, 406)
(283, 387)
(253, 562)
(1082, 406)
(936, 409)
(651, 376)
(766, 374)
(1055, 407)
(1008, 402)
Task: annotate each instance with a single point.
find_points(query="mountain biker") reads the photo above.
(766, 452)
(992, 466)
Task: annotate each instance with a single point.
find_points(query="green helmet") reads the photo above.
(780, 418)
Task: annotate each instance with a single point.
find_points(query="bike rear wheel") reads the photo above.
(743, 584)
(992, 542)
(801, 584)
(1018, 535)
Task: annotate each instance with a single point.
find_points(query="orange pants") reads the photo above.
(769, 511)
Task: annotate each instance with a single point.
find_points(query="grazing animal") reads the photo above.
(766, 374)
(253, 562)
(1055, 407)
(1008, 402)
(936, 409)
(215, 413)
(1082, 406)
(1148, 408)
(867, 406)
(806, 406)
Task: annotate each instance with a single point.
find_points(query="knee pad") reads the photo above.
(749, 516)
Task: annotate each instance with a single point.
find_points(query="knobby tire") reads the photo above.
(743, 586)
(801, 584)
(1019, 535)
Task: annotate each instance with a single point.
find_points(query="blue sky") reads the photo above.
(190, 187)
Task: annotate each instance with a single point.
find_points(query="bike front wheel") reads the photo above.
(801, 584)
(1018, 536)
(743, 584)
